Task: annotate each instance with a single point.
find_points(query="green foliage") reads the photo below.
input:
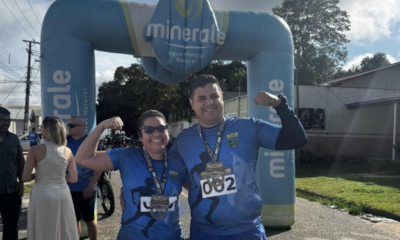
(378, 60)
(231, 74)
(318, 28)
(131, 93)
(353, 186)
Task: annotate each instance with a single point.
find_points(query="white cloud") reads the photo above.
(391, 58)
(356, 61)
(241, 5)
(371, 19)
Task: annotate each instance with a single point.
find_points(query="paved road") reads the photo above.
(314, 222)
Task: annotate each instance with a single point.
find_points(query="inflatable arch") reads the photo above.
(174, 39)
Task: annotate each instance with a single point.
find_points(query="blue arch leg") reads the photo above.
(68, 80)
(275, 171)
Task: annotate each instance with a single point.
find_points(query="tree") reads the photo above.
(230, 74)
(131, 93)
(378, 60)
(318, 28)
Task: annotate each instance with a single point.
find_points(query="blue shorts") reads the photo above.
(255, 234)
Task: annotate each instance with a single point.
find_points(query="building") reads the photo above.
(17, 118)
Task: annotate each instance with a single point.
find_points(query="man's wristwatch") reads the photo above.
(282, 98)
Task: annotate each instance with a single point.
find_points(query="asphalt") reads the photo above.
(313, 222)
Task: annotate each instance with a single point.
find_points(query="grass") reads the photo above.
(352, 186)
(28, 188)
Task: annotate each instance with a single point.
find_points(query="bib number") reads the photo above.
(227, 187)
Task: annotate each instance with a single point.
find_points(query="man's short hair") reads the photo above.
(4, 111)
(201, 81)
(80, 119)
(33, 129)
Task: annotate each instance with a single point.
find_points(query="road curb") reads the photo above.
(369, 210)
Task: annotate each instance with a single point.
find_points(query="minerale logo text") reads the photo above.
(176, 32)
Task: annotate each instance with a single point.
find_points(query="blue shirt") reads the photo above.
(84, 174)
(33, 137)
(238, 212)
(137, 182)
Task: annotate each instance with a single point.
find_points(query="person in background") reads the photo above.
(51, 211)
(84, 190)
(34, 137)
(11, 185)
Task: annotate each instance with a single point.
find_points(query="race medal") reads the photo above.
(214, 174)
(159, 205)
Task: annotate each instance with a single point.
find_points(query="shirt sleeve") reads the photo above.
(267, 133)
(115, 159)
(292, 135)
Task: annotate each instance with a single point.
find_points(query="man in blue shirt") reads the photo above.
(84, 190)
(34, 137)
(222, 147)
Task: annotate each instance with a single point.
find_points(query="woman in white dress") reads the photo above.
(51, 212)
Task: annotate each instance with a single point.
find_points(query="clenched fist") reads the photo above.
(112, 123)
(267, 99)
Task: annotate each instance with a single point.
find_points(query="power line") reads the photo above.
(12, 57)
(9, 94)
(8, 69)
(17, 19)
(34, 13)
(26, 18)
(20, 110)
(15, 87)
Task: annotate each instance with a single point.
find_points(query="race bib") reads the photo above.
(227, 187)
(145, 204)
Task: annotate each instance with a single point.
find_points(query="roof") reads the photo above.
(382, 101)
(339, 80)
(17, 112)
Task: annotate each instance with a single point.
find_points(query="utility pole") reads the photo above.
(28, 84)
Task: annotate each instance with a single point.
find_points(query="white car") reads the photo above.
(26, 143)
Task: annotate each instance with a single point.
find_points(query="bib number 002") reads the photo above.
(227, 187)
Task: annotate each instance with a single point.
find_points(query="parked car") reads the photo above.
(26, 143)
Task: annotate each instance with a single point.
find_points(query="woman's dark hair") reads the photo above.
(146, 115)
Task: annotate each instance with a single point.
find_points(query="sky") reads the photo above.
(375, 27)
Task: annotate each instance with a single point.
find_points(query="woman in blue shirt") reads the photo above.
(151, 177)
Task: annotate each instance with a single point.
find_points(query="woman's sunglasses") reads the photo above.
(150, 129)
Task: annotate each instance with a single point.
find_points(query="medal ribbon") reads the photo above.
(159, 186)
(214, 156)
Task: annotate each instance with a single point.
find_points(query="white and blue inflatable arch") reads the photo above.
(173, 39)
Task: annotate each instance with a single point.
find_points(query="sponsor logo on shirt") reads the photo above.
(233, 139)
(174, 176)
